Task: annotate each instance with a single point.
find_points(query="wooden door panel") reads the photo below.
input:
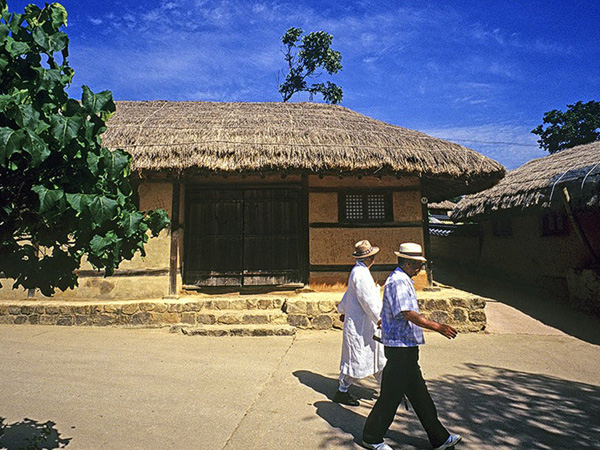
(214, 236)
(243, 237)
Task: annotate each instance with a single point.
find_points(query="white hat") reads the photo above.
(409, 250)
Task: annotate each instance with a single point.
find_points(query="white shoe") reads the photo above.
(380, 446)
(450, 442)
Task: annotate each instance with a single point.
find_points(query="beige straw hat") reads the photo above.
(410, 250)
(364, 249)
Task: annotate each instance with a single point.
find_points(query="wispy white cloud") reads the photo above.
(512, 39)
(511, 145)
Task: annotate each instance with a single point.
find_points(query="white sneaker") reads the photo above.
(450, 442)
(380, 446)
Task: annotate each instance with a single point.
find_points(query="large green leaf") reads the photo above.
(15, 22)
(16, 48)
(6, 102)
(115, 162)
(49, 198)
(37, 148)
(59, 15)
(78, 202)
(131, 224)
(10, 143)
(3, 32)
(27, 117)
(157, 220)
(64, 128)
(52, 43)
(102, 209)
(92, 161)
(97, 103)
(99, 244)
(48, 78)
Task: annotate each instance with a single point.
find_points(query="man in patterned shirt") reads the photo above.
(402, 333)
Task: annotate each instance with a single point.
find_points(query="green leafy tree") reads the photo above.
(579, 124)
(304, 58)
(62, 195)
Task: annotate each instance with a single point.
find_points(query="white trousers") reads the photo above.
(346, 380)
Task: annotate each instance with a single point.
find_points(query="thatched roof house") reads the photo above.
(208, 137)
(275, 194)
(538, 225)
(538, 183)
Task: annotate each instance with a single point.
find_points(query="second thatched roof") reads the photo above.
(538, 183)
(209, 137)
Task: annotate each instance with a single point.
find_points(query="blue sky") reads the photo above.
(480, 73)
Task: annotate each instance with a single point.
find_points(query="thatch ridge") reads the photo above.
(292, 137)
(446, 204)
(537, 183)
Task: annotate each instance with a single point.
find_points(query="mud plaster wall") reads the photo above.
(526, 254)
(323, 207)
(341, 278)
(407, 206)
(334, 245)
(130, 281)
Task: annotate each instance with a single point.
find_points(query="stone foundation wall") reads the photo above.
(466, 314)
(463, 311)
(147, 313)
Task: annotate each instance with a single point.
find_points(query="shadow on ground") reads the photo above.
(493, 407)
(345, 418)
(546, 308)
(30, 435)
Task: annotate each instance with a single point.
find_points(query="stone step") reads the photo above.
(237, 317)
(235, 330)
(199, 304)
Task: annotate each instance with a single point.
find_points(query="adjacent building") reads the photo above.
(540, 224)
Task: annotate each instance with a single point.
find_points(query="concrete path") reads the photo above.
(532, 381)
(115, 388)
(505, 319)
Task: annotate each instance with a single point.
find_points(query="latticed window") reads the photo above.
(365, 207)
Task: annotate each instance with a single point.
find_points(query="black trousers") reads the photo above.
(402, 376)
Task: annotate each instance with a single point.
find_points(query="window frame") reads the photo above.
(560, 223)
(388, 205)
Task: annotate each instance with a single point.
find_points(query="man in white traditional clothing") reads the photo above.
(361, 307)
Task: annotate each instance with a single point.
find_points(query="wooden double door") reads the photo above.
(243, 237)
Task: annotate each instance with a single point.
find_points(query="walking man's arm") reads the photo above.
(418, 319)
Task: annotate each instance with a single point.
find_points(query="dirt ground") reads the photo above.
(529, 382)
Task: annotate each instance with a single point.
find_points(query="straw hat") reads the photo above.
(409, 250)
(364, 249)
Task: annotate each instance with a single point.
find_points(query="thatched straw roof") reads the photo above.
(538, 183)
(291, 137)
(446, 204)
